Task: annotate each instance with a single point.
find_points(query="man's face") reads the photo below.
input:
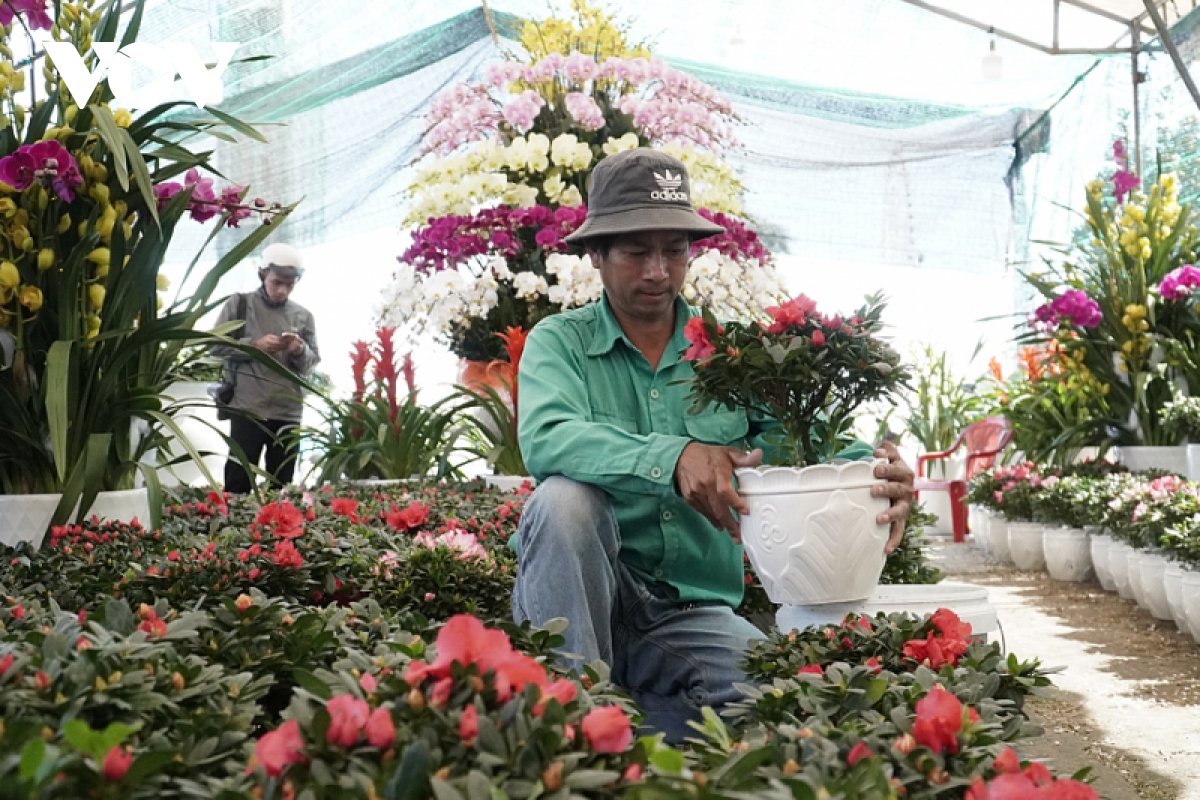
(643, 274)
(278, 287)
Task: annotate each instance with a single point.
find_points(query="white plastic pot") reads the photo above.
(811, 533)
(1101, 544)
(1068, 554)
(1173, 583)
(1154, 591)
(1137, 591)
(969, 602)
(1118, 565)
(508, 483)
(1140, 459)
(981, 527)
(998, 539)
(26, 517)
(1025, 545)
(1191, 602)
(1193, 462)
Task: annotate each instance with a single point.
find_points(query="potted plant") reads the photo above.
(811, 532)
(382, 433)
(88, 344)
(1181, 417)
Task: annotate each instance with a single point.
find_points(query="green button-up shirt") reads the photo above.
(594, 411)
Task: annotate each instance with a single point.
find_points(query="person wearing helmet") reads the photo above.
(265, 404)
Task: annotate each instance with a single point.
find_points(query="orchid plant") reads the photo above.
(806, 371)
(90, 202)
(503, 174)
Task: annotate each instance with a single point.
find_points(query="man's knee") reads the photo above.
(571, 513)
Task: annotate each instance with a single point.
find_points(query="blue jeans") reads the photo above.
(674, 658)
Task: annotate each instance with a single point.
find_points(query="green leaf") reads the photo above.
(32, 757)
(876, 690)
(668, 759)
(479, 786)
(591, 778)
(81, 736)
(444, 791)
(110, 132)
(58, 393)
(140, 171)
(411, 781)
(312, 683)
(236, 124)
(147, 765)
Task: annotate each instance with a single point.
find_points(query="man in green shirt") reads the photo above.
(632, 533)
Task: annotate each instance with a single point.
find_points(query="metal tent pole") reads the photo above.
(1135, 45)
(1164, 35)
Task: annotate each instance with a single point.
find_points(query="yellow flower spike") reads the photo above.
(8, 206)
(99, 256)
(10, 276)
(99, 193)
(127, 227)
(45, 259)
(51, 133)
(162, 282)
(27, 244)
(81, 228)
(158, 304)
(98, 172)
(123, 118)
(96, 294)
(120, 207)
(30, 297)
(64, 133)
(93, 323)
(70, 113)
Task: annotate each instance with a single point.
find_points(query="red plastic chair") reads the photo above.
(984, 440)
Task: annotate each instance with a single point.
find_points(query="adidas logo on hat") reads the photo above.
(669, 184)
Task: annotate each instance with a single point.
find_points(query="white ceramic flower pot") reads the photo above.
(1140, 459)
(969, 602)
(981, 527)
(1137, 591)
(1193, 462)
(508, 483)
(1154, 591)
(1191, 602)
(1118, 565)
(1025, 545)
(998, 539)
(1101, 545)
(26, 517)
(1068, 554)
(1173, 583)
(811, 533)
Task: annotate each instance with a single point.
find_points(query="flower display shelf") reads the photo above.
(508, 483)
(1141, 459)
(811, 533)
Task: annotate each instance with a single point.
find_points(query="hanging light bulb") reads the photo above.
(992, 64)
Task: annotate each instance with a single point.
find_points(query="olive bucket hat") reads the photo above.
(641, 190)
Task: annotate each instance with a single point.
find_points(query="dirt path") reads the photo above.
(1128, 702)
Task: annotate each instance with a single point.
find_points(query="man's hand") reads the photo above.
(898, 489)
(704, 477)
(270, 343)
(294, 344)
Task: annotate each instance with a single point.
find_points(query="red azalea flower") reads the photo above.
(116, 763)
(607, 729)
(414, 515)
(950, 626)
(464, 639)
(1007, 762)
(283, 519)
(347, 717)
(1067, 789)
(810, 669)
(794, 312)
(696, 334)
(1012, 787)
(1038, 773)
(344, 507)
(939, 719)
(561, 690)
(937, 652)
(858, 753)
(154, 628)
(18, 611)
(280, 748)
(468, 724)
(818, 338)
(874, 664)
(381, 730)
(286, 555)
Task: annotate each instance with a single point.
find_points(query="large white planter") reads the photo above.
(998, 538)
(1193, 462)
(26, 517)
(1101, 545)
(981, 528)
(811, 533)
(508, 483)
(1191, 602)
(1025, 545)
(1137, 590)
(1068, 554)
(969, 602)
(194, 419)
(1154, 591)
(1118, 565)
(1140, 459)
(1173, 583)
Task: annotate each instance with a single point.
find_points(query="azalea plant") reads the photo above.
(1181, 417)
(91, 198)
(806, 371)
(1114, 303)
(503, 174)
(382, 431)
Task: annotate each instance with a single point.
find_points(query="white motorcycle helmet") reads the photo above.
(283, 258)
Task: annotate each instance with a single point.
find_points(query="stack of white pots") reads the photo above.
(1157, 584)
